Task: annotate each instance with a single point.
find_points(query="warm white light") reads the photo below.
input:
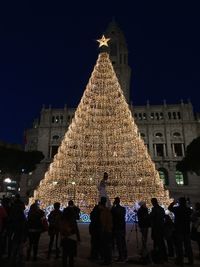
(103, 41)
(102, 137)
(54, 182)
(7, 180)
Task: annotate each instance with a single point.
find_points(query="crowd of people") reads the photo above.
(20, 233)
(171, 233)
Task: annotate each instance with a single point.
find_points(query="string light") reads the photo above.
(102, 137)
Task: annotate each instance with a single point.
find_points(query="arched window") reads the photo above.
(164, 176)
(55, 137)
(176, 134)
(158, 135)
(181, 178)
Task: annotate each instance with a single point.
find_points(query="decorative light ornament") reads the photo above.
(103, 41)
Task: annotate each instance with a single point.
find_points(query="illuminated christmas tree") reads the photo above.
(102, 137)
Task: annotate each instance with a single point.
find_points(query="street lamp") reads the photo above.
(7, 180)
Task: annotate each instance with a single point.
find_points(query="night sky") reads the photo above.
(48, 51)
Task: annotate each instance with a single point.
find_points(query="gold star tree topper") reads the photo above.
(103, 41)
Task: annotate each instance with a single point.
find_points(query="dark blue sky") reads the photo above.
(47, 53)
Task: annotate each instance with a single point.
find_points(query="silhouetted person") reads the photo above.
(105, 232)
(3, 218)
(182, 221)
(95, 233)
(196, 224)
(169, 235)
(53, 231)
(119, 229)
(11, 205)
(74, 208)
(69, 236)
(6, 241)
(18, 224)
(157, 217)
(35, 228)
(144, 223)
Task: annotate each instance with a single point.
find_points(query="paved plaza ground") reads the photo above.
(84, 250)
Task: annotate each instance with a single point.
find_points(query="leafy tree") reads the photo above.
(15, 161)
(191, 161)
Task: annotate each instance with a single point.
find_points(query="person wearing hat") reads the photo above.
(119, 229)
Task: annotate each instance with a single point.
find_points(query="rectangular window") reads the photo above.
(152, 116)
(178, 152)
(144, 116)
(159, 150)
(179, 178)
(54, 150)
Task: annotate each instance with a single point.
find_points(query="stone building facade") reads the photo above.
(166, 129)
